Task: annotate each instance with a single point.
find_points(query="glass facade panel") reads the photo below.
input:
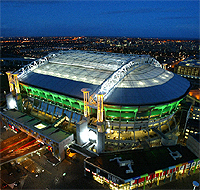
(43, 106)
(68, 113)
(58, 111)
(51, 109)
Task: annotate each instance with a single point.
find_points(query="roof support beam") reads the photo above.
(111, 82)
(22, 72)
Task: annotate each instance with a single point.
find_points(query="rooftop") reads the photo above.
(156, 158)
(196, 136)
(30, 122)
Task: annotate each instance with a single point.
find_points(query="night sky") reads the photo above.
(146, 19)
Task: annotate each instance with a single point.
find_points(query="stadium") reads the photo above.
(109, 101)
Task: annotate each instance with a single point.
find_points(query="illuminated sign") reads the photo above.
(182, 167)
(188, 166)
(133, 182)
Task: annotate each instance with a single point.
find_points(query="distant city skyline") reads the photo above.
(144, 19)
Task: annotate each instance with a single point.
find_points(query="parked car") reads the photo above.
(4, 185)
(17, 183)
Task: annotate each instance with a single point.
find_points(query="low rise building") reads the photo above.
(193, 143)
(190, 69)
(139, 168)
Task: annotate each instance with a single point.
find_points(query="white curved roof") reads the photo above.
(70, 71)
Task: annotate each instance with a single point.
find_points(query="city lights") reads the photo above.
(106, 98)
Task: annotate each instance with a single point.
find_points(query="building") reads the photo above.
(193, 143)
(195, 111)
(190, 69)
(140, 168)
(53, 138)
(16, 61)
(113, 101)
(192, 119)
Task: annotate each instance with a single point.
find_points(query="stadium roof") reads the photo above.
(70, 71)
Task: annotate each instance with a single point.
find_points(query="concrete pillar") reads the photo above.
(100, 142)
(19, 102)
(100, 137)
(82, 132)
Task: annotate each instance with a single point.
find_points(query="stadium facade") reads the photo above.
(113, 101)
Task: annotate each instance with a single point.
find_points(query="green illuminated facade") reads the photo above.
(53, 97)
(123, 124)
(111, 112)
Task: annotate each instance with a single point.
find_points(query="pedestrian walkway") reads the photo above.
(82, 150)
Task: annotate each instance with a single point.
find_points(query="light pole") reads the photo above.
(64, 174)
(195, 184)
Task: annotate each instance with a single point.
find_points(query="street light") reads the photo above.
(195, 184)
(64, 174)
